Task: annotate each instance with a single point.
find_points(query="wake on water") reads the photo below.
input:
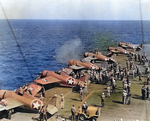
(72, 49)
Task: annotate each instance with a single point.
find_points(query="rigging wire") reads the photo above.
(16, 41)
(141, 25)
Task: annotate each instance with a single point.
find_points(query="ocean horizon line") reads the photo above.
(73, 20)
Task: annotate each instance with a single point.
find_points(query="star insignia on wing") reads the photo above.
(70, 81)
(44, 80)
(93, 67)
(36, 105)
(30, 88)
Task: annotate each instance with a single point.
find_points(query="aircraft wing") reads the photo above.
(47, 80)
(67, 70)
(114, 51)
(11, 103)
(77, 67)
(124, 46)
(89, 59)
(34, 88)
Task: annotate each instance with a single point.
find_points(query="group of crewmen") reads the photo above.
(142, 58)
(109, 76)
(114, 72)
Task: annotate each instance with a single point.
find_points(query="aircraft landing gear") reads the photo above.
(6, 114)
(9, 113)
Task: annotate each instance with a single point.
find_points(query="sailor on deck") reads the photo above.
(124, 96)
(55, 95)
(143, 90)
(84, 107)
(102, 99)
(73, 111)
(80, 94)
(62, 101)
(43, 115)
(108, 91)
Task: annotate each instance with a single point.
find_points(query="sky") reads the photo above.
(76, 9)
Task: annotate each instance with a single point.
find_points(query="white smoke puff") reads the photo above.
(70, 50)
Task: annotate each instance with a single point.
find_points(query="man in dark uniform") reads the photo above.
(148, 79)
(73, 111)
(113, 87)
(140, 75)
(43, 115)
(147, 91)
(102, 99)
(84, 107)
(143, 92)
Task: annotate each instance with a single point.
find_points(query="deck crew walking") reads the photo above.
(62, 101)
(80, 94)
(102, 99)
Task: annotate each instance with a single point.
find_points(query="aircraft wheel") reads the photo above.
(9, 114)
(93, 119)
(81, 117)
(1, 115)
(92, 61)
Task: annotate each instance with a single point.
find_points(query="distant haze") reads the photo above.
(76, 9)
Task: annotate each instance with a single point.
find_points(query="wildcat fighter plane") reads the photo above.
(80, 64)
(98, 56)
(24, 99)
(49, 77)
(118, 50)
(130, 46)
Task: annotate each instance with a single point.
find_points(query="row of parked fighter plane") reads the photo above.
(29, 96)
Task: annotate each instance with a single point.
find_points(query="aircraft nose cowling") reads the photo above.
(71, 62)
(86, 54)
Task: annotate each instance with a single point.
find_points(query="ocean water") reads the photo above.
(49, 44)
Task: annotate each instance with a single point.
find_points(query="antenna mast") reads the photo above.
(141, 25)
(16, 41)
